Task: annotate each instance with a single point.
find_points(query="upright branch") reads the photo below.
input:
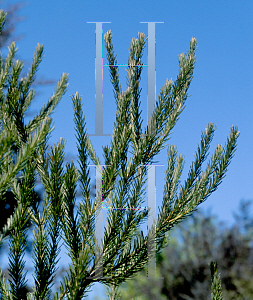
(216, 284)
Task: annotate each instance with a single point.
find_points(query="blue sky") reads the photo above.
(221, 90)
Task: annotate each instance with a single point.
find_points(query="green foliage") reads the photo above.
(216, 285)
(185, 270)
(124, 249)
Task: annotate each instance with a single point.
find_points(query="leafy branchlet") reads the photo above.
(124, 249)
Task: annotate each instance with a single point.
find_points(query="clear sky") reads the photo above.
(221, 90)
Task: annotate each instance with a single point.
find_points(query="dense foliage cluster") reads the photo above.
(24, 156)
